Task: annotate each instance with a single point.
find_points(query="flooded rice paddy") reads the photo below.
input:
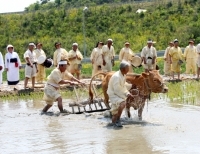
(168, 126)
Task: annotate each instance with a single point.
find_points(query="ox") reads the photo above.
(143, 85)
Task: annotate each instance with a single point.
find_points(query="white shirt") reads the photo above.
(30, 55)
(72, 54)
(126, 54)
(108, 53)
(96, 56)
(117, 86)
(149, 52)
(198, 49)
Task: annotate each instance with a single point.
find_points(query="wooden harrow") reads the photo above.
(81, 106)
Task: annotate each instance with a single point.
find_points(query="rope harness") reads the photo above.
(137, 100)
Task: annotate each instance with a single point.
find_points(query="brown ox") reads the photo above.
(143, 84)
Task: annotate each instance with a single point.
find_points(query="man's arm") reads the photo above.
(143, 56)
(29, 62)
(66, 82)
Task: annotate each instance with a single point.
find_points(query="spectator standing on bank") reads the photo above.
(198, 59)
(1, 69)
(149, 55)
(176, 57)
(75, 58)
(96, 58)
(108, 54)
(31, 65)
(41, 74)
(126, 54)
(190, 55)
(167, 65)
(59, 54)
(12, 65)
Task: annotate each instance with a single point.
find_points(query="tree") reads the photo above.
(44, 1)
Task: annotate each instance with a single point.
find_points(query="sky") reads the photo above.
(14, 5)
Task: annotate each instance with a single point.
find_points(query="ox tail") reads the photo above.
(91, 95)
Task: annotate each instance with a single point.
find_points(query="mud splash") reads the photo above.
(165, 129)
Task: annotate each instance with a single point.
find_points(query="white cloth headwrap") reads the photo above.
(9, 46)
(62, 62)
(75, 44)
(150, 41)
(110, 40)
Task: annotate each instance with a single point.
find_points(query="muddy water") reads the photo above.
(166, 128)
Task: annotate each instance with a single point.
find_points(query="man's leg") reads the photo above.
(33, 82)
(194, 68)
(117, 116)
(45, 109)
(173, 75)
(37, 77)
(178, 75)
(198, 72)
(25, 82)
(60, 106)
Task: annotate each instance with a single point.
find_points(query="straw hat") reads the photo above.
(136, 61)
(41, 59)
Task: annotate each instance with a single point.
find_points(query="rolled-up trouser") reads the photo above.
(30, 71)
(51, 94)
(148, 66)
(191, 65)
(115, 103)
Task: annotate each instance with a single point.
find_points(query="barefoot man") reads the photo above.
(118, 91)
(51, 90)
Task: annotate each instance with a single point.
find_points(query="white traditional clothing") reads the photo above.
(118, 90)
(12, 64)
(97, 61)
(149, 54)
(190, 54)
(126, 54)
(30, 71)
(75, 64)
(1, 71)
(59, 54)
(167, 65)
(51, 89)
(109, 54)
(198, 53)
(40, 76)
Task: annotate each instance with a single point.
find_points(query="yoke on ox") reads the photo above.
(142, 86)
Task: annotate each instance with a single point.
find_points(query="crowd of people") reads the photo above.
(68, 65)
(174, 57)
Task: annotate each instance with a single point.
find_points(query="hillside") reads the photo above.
(162, 22)
(49, 4)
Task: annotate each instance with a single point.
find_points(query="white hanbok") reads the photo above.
(1, 71)
(12, 63)
(198, 53)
